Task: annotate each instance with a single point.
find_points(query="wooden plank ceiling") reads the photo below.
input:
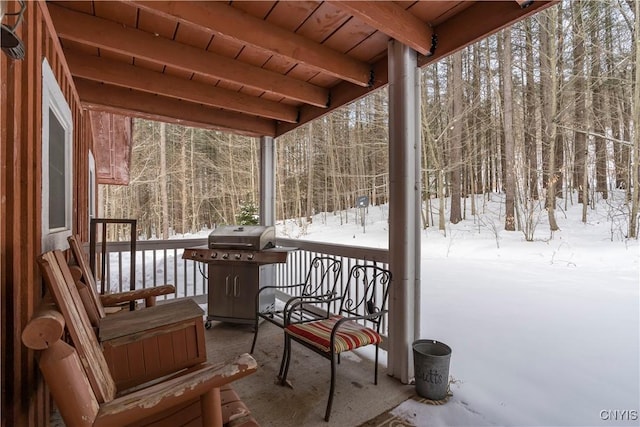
(258, 68)
(255, 67)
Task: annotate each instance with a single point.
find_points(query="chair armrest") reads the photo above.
(294, 303)
(110, 300)
(276, 287)
(140, 404)
(354, 319)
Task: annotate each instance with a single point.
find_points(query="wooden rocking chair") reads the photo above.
(138, 346)
(86, 395)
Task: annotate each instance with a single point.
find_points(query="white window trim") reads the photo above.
(93, 188)
(54, 100)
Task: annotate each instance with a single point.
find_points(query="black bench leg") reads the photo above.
(332, 388)
(255, 334)
(375, 378)
(286, 356)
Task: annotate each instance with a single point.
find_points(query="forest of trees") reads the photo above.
(542, 112)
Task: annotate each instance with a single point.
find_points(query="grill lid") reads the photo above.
(252, 237)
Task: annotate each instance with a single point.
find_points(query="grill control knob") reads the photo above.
(214, 254)
(225, 256)
(238, 256)
(250, 256)
(194, 254)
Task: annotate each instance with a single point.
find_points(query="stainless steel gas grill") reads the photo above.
(252, 237)
(238, 259)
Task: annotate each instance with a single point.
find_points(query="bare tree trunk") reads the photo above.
(580, 138)
(184, 197)
(530, 140)
(426, 138)
(192, 168)
(558, 76)
(627, 115)
(509, 138)
(333, 171)
(456, 139)
(598, 107)
(633, 220)
(310, 171)
(164, 194)
(232, 213)
(549, 86)
(476, 132)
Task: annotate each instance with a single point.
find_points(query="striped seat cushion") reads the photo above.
(351, 335)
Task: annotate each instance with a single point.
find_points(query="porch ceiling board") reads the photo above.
(120, 74)
(118, 100)
(252, 67)
(231, 23)
(112, 36)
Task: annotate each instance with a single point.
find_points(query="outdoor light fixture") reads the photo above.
(11, 44)
(524, 3)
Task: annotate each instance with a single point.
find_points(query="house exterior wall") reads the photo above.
(25, 399)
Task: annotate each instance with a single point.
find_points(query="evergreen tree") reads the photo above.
(248, 214)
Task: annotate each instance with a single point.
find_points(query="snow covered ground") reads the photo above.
(543, 333)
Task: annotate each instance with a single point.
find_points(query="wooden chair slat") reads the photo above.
(99, 302)
(78, 324)
(88, 278)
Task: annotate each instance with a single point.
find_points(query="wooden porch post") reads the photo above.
(404, 210)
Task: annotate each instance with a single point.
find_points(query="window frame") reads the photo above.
(53, 100)
(92, 190)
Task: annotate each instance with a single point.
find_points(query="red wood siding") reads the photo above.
(25, 400)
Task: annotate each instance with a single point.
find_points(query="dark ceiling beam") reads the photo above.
(239, 26)
(114, 99)
(104, 34)
(125, 75)
(465, 28)
(392, 20)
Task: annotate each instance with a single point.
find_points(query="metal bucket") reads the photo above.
(431, 362)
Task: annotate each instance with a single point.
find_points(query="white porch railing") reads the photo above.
(160, 262)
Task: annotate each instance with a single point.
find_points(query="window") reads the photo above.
(57, 172)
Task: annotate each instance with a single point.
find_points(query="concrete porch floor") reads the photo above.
(356, 399)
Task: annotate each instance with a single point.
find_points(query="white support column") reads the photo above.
(404, 211)
(267, 181)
